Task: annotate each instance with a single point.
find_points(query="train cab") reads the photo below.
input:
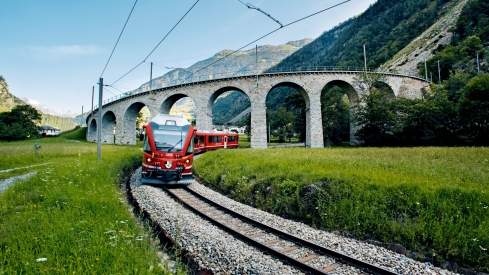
(168, 150)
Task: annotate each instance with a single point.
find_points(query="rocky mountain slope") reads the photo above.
(422, 48)
(7, 100)
(240, 62)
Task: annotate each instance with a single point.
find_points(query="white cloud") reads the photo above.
(64, 50)
(31, 101)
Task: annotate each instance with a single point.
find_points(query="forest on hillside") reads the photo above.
(455, 110)
(385, 28)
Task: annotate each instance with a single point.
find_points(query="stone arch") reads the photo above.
(385, 89)
(216, 94)
(169, 102)
(92, 130)
(109, 123)
(307, 117)
(130, 116)
(353, 101)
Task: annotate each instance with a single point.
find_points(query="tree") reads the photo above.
(474, 109)
(282, 120)
(20, 123)
(377, 119)
(336, 116)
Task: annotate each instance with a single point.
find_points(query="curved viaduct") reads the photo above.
(120, 115)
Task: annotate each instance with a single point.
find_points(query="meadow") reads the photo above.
(71, 217)
(434, 202)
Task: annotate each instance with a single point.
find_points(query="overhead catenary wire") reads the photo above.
(157, 44)
(270, 33)
(118, 38)
(250, 6)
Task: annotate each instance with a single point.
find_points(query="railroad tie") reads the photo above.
(272, 242)
(289, 249)
(308, 258)
(329, 268)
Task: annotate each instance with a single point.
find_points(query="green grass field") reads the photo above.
(71, 217)
(433, 201)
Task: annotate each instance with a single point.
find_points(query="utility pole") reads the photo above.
(151, 76)
(256, 64)
(81, 124)
(426, 69)
(478, 64)
(439, 73)
(93, 93)
(269, 133)
(365, 58)
(99, 122)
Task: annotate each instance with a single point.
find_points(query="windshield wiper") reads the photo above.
(171, 148)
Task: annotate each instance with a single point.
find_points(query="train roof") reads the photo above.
(170, 120)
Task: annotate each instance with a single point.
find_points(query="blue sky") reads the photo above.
(53, 51)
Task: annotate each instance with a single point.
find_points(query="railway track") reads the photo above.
(294, 250)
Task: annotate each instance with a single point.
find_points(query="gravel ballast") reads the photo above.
(213, 249)
(361, 250)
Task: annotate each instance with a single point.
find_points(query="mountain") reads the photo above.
(9, 101)
(423, 47)
(385, 28)
(240, 62)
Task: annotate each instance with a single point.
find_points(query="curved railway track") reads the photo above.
(294, 250)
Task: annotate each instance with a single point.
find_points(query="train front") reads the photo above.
(168, 151)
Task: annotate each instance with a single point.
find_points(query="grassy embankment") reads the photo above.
(71, 213)
(433, 201)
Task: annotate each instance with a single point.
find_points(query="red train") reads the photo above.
(170, 143)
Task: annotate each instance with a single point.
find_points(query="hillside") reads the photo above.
(386, 28)
(9, 101)
(423, 47)
(268, 56)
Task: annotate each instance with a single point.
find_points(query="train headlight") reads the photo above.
(148, 159)
(187, 161)
(168, 164)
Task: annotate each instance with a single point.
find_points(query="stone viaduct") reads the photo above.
(119, 116)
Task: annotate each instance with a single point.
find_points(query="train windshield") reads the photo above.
(169, 138)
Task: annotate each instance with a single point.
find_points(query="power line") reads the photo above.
(270, 33)
(109, 86)
(157, 44)
(250, 6)
(118, 38)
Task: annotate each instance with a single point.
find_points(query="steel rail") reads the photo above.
(343, 258)
(248, 239)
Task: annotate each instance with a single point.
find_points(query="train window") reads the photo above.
(146, 146)
(232, 138)
(219, 139)
(190, 148)
(196, 140)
